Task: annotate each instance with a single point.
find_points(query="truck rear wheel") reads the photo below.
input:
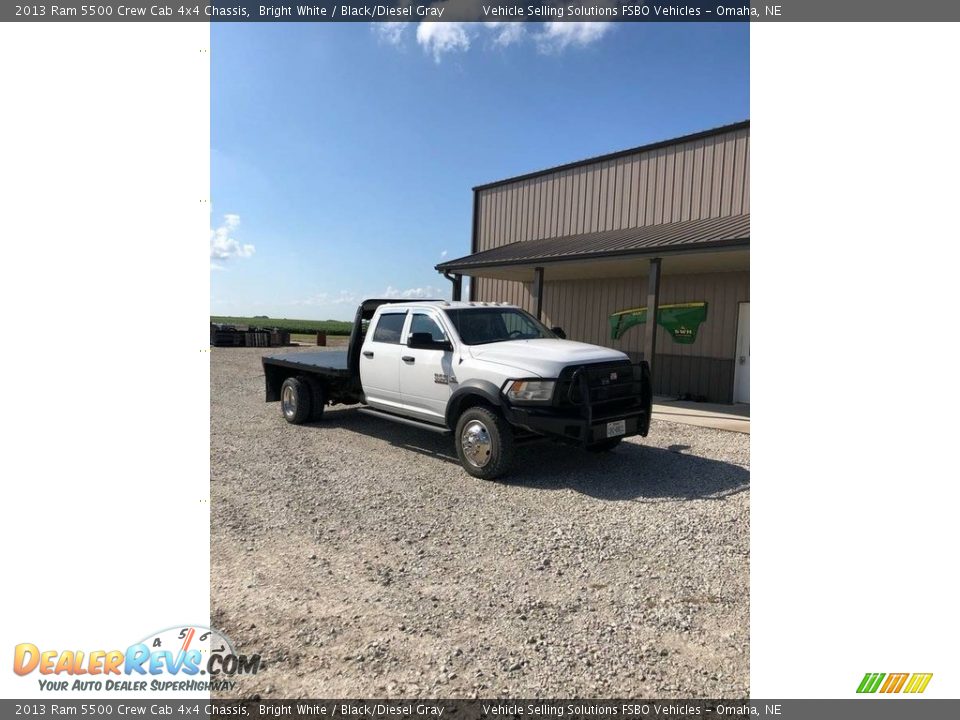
(295, 400)
(318, 397)
(484, 443)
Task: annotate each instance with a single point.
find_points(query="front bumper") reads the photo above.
(585, 419)
(575, 429)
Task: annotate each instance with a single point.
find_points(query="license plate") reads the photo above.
(617, 427)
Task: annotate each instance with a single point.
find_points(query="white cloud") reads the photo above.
(391, 33)
(443, 37)
(443, 254)
(506, 33)
(349, 297)
(417, 293)
(224, 246)
(344, 297)
(557, 36)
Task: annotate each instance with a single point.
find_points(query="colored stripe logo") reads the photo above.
(913, 683)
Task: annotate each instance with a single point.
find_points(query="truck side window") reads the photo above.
(425, 324)
(388, 328)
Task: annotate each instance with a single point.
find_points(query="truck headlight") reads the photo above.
(529, 390)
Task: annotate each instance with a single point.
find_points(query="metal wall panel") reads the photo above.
(703, 369)
(582, 308)
(701, 178)
(707, 177)
(709, 379)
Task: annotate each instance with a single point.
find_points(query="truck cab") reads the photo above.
(407, 360)
(490, 373)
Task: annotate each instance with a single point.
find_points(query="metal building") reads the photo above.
(593, 246)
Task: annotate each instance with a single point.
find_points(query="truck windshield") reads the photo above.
(479, 326)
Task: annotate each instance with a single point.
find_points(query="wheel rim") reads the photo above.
(476, 443)
(288, 401)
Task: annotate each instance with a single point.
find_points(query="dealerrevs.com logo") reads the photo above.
(909, 683)
(182, 659)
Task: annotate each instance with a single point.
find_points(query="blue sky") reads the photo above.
(343, 154)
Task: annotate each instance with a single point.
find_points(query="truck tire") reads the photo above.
(318, 398)
(604, 445)
(484, 443)
(295, 400)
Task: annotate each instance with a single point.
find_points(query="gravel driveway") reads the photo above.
(361, 561)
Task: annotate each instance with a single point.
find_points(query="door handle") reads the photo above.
(409, 359)
(368, 353)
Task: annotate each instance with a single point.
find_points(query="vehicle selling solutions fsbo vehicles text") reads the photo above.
(560, 12)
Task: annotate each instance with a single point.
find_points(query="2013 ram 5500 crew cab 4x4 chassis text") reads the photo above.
(489, 373)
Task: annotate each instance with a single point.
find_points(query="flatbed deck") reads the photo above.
(328, 362)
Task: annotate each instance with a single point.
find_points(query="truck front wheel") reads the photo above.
(484, 443)
(295, 400)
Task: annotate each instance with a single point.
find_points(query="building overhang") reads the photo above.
(695, 246)
(720, 260)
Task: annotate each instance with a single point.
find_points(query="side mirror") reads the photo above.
(425, 341)
(558, 331)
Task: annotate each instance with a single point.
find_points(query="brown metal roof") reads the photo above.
(687, 236)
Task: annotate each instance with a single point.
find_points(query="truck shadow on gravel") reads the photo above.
(633, 471)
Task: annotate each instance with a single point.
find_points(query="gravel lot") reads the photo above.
(361, 561)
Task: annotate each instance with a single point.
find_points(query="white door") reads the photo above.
(380, 361)
(741, 375)
(425, 375)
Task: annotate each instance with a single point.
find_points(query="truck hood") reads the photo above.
(544, 357)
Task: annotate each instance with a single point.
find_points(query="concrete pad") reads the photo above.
(735, 418)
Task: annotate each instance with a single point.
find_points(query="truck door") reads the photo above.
(380, 361)
(426, 375)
